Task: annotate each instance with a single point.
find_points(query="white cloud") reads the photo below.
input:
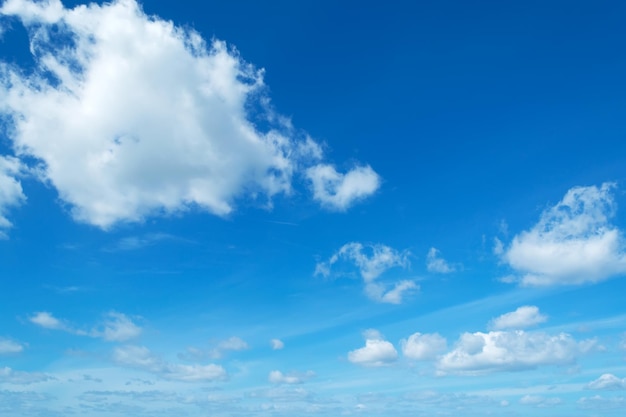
(523, 317)
(47, 321)
(376, 352)
(372, 261)
(8, 347)
(337, 191)
(539, 401)
(480, 352)
(277, 344)
(11, 193)
(598, 402)
(277, 377)
(423, 346)
(573, 242)
(117, 328)
(140, 357)
(434, 263)
(9, 376)
(607, 382)
(147, 118)
(218, 351)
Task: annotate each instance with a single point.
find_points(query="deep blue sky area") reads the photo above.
(289, 208)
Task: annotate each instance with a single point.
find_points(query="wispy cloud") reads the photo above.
(11, 194)
(523, 317)
(116, 327)
(435, 263)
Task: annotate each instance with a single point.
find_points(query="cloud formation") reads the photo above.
(277, 377)
(8, 347)
(11, 193)
(573, 243)
(422, 347)
(277, 344)
(116, 327)
(376, 352)
(148, 118)
(522, 318)
(435, 263)
(607, 382)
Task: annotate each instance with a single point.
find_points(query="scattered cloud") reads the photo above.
(9, 376)
(47, 321)
(422, 347)
(376, 352)
(116, 327)
(597, 402)
(142, 130)
(539, 401)
(140, 357)
(232, 344)
(372, 261)
(11, 194)
(477, 353)
(436, 264)
(337, 191)
(277, 344)
(573, 242)
(607, 382)
(523, 317)
(8, 347)
(277, 377)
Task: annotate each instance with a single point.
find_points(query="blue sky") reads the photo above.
(311, 208)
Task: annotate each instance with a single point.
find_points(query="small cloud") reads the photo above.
(8, 347)
(337, 191)
(376, 352)
(11, 194)
(277, 344)
(435, 263)
(523, 317)
(47, 321)
(277, 377)
(117, 328)
(607, 382)
(539, 401)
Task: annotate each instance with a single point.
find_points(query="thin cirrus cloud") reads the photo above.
(573, 243)
(372, 261)
(522, 318)
(376, 352)
(149, 118)
(116, 327)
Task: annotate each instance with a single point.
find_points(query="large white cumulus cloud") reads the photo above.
(130, 116)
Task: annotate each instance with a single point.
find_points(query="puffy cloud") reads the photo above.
(8, 347)
(337, 191)
(9, 376)
(47, 321)
(423, 346)
(11, 193)
(607, 382)
(277, 377)
(117, 328)
(434, 263)
(372, 261)
(539, 401)
(573, 242)
(147, 118)
(277, 344)
(140, 357)
(480, 352)
(376, 352)
(523, 317)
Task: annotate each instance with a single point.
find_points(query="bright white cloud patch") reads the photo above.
(8, 347)
(479, 352)
(523, 317)
(140, 357)
(423, 346)
(277, 344)
(337, 191)
(607, 382)
(376, 352)
(130, 116)
(435, 263)
(277, 377)
(573, 242)
(372, 261)
(11, 193)
(47, 321)
(117, 328)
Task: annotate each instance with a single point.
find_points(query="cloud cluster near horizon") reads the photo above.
(148, 118)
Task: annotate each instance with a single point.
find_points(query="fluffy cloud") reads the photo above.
(140, 357)
(11, 193)
(147, 118)
(117, 327)
(376, 352)
(47, 321)
(480, 352)
(434, 263)
(277, 377)
(523, 317)
(573, 242)
(8, 347)
(423, 346)
(372, 261)
(337, 191)
(277, 344)
(607, 382)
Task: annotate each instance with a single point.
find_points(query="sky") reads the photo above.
(315, 208)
